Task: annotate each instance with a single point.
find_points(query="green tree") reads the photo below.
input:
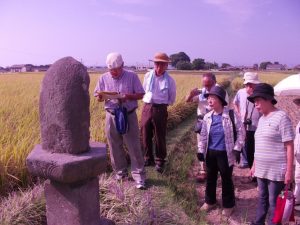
(181, 56)
(255, 66)
(209, 65)
(184, 65)
(198, 64)
(225, 65)
(263, 65)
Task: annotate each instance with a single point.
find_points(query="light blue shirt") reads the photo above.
(159, 89)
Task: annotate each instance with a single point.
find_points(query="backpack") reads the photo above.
(121, 119)
(231, 115)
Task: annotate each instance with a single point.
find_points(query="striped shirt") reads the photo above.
(270, 154)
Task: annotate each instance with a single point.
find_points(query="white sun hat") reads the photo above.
(251, 77)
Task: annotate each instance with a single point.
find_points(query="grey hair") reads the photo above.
(212, 76)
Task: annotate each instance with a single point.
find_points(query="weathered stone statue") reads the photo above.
(66, 157)
(64, 107)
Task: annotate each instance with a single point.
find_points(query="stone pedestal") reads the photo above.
(66, 157)
(75, 204)
(72, 188)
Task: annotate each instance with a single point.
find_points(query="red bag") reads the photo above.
(284, 210)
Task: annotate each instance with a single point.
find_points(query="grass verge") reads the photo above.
(170, 198)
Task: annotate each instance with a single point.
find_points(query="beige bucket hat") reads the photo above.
(161, 57)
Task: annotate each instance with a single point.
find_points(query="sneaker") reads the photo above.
(206, 207)
(141, 186)
(227, 211)
(159, 168)
(122, 177)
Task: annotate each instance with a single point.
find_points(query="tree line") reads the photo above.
(182, 61)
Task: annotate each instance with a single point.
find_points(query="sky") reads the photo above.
(238, 32)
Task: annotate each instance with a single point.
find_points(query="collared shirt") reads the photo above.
(158, 95)
(127, 83)
(247, 108)
(228, 133)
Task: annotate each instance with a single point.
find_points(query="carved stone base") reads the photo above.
(74, 204)
(68, 168)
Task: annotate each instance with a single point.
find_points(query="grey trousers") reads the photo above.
(131, 139)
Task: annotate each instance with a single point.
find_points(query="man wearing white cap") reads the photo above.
(249, 116)
(129, 89)
(160, 92)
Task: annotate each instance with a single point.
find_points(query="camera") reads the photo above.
(248, 122)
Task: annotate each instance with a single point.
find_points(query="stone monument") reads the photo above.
(66, 157)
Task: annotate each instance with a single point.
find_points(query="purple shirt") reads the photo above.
(127, 83)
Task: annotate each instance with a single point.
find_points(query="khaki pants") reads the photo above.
(131, 139)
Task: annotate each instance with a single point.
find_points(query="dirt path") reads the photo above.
(246, 193)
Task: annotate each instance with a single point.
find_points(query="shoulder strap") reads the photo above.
(231, 115)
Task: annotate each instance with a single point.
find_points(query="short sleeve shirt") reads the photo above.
(127, 83)
(270, 154)
(247, 108)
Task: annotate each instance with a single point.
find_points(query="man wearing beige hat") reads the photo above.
(249, 116)
(160, 92)
(115, 87)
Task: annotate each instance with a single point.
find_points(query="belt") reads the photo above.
(112, 112)
(157, 105)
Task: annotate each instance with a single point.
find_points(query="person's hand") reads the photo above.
(288, 177)
(200, 156)
(123, 98)
(195, 92)
(237, 155)
(100, 98)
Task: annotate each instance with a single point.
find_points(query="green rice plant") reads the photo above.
(19, 117)
(19, 121)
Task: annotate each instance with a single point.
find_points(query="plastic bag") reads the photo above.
(284, 210)
(121, 119)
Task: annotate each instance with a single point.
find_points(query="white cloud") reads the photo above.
(126, 16)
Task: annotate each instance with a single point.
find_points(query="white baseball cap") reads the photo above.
(114, 60)
(251, 77)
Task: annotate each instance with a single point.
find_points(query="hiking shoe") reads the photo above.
(122, 177)
(227, 211)
(141, 186)
(159, 168)
(206, 207)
